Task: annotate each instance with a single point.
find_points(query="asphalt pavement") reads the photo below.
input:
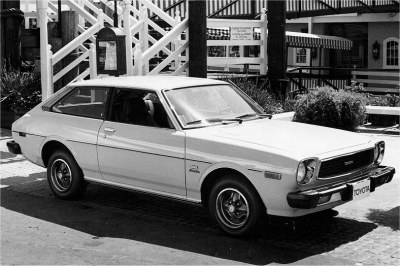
(117, 227)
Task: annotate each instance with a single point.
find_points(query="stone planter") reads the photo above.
(383, 120)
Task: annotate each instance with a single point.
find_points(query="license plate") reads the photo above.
(361, 189)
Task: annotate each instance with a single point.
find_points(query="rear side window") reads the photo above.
(84, 101)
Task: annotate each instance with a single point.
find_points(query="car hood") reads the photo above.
(287, 136)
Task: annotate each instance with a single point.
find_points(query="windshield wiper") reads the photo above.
(254, 114)
(265, 115)
(214, 120)
(194, 122)
(245, 116)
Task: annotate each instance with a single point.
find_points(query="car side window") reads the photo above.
(84, 101)
(138, 108)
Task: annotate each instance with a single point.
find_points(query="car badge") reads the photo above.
(194, 169)
(348, 163)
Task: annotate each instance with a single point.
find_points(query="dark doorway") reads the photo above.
(357, 57)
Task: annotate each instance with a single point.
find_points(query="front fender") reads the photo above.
(195, 178)
(228, 165)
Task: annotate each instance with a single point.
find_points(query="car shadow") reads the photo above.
(113, 213)
(6, 155)
(389, 218)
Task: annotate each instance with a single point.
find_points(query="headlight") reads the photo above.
(306, 171)
(379, 152)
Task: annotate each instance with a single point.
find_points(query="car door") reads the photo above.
(76, 118)
(137, 151)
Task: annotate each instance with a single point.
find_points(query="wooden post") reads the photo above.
(319, 66)
(69, 22)
(138, 61)
(81, 18)
(277, 58)
(128, 38)
(197, 39)
(177, 42)
(144, 39)
(310, 30)
(300, 79)
(92, 61)
(50, 84)
(44, 54)
(11, 40)
(263, 48)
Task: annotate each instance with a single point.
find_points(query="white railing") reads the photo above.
(135, 21)
(143, 56)
(378, 81)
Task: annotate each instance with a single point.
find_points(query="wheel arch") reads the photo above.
(50, 147)
(217, 174)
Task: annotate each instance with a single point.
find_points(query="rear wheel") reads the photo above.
(65, 176)
(235, 206)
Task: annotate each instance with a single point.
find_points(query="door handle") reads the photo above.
(108, 130)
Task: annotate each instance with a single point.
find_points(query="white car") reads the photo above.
(198, 140)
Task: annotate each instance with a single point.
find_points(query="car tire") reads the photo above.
(235, 206)
(64, 175)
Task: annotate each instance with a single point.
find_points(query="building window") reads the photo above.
(391, 53)
(301, 56)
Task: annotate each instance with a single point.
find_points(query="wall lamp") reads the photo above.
(376, 47)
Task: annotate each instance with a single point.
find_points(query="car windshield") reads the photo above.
(208, 105)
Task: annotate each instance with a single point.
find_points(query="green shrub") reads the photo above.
(20, 91)
(330, 108)
(255, 89)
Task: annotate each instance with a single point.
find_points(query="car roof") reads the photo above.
(157, 83)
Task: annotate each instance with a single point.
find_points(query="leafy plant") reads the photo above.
(255, 89)
(354, 87)
(327, 107)
(20, 91)
(391, 100)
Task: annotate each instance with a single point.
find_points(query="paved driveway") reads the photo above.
(111, 226)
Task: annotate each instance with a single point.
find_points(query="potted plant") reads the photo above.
(20, 92)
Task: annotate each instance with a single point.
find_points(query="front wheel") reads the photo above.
(65, 176)
(235, 206)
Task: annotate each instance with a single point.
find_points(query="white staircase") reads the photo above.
(135, 23)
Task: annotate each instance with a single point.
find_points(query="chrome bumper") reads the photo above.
(310, 199)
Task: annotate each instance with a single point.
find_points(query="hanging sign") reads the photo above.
(111, 52)
(241, 33)
(108, 55)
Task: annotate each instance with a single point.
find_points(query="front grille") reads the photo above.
(345, 164)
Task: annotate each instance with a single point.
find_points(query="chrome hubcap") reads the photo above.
(61, 175)
(232, 208)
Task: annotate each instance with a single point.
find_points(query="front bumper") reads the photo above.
(13, 147)
(310, 199)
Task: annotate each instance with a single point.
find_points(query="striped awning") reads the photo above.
(307, 40)
(293, 39)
